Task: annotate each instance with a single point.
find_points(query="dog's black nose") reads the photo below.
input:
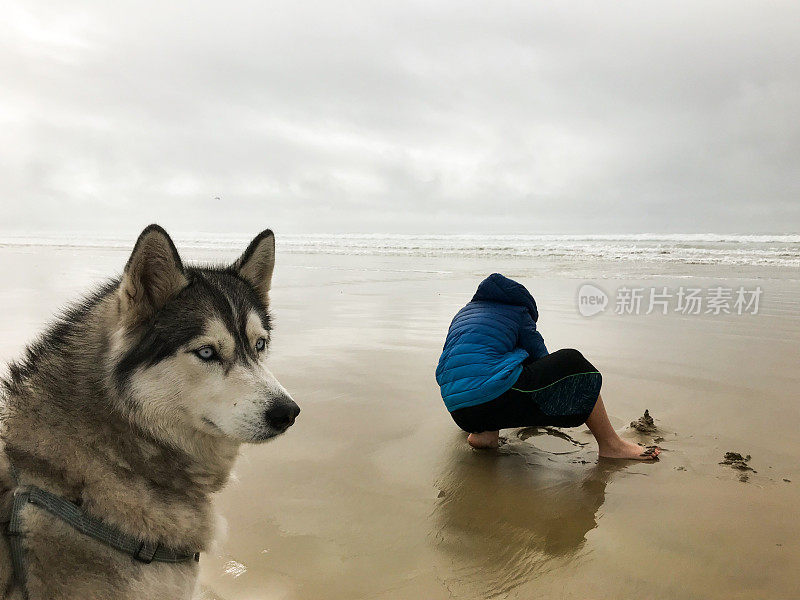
(282, 414)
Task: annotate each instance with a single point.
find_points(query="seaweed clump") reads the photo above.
(737, 461)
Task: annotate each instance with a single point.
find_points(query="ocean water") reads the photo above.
(702, 249)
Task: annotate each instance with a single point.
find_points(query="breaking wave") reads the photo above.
(703, 248)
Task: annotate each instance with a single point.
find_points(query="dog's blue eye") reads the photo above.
(261, 344)
(206, 353)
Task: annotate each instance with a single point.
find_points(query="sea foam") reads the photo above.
(693, 248)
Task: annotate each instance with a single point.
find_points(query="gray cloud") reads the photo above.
(419, 116)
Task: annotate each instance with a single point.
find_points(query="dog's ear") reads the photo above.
(256, 264)
(153, 275)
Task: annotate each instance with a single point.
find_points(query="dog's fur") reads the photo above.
(115, 409)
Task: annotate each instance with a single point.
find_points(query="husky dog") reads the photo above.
(132, 409)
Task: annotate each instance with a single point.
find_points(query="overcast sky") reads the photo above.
(574, 117)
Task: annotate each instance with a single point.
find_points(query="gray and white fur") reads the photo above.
(133, 405)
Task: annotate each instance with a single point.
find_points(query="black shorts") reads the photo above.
(559, 389)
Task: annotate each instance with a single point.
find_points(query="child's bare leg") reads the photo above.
(608, 442)
(484, 439)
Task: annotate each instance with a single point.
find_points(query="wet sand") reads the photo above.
(375, 494)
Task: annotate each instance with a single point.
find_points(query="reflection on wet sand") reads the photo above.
(345, 505)
(507, 516)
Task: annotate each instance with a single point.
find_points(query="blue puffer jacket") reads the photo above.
(487, 342)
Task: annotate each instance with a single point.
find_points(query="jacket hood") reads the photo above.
(498, 288)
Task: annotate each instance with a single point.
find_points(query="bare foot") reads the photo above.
(484, 439)
(629, 450)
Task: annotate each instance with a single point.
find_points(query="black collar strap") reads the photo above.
(142, 551)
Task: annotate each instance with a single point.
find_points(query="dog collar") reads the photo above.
(140, 550)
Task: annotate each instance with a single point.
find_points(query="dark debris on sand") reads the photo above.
(528, 432)
(645, 423)
(737, 461)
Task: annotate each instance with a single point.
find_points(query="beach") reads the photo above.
(374, 492)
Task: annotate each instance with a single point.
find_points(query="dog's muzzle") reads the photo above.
(282, 414)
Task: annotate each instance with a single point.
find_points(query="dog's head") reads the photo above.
(191, 343)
